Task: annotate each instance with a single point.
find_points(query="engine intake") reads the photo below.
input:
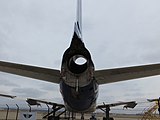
(77, 64)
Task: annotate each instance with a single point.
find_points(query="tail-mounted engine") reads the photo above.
(77, 66)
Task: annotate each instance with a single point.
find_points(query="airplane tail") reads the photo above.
(78, 23)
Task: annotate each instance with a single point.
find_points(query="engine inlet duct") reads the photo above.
(77, 64)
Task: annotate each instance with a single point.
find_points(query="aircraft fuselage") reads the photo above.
(78, 85)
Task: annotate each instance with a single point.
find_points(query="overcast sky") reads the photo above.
(118, 33)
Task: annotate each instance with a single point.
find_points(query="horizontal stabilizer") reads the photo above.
(45, 74)
(127, 73)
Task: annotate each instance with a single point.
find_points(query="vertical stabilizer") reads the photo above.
(78, 23)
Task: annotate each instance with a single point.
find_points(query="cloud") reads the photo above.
(49, 87)
(28, 92)
(118, 33)
(7, 81)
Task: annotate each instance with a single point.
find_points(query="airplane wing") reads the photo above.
(153, 100)
(8, 96)
(32, 101)
(130, 104)
(45, 74)
(127, 73)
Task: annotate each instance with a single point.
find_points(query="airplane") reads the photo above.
(154, 100)
(157, 101)
(9, 96)
(56, 106)
(79, 82)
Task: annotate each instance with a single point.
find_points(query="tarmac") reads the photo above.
(15, 115)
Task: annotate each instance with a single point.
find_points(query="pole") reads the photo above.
(7, 112)
(17, 112)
